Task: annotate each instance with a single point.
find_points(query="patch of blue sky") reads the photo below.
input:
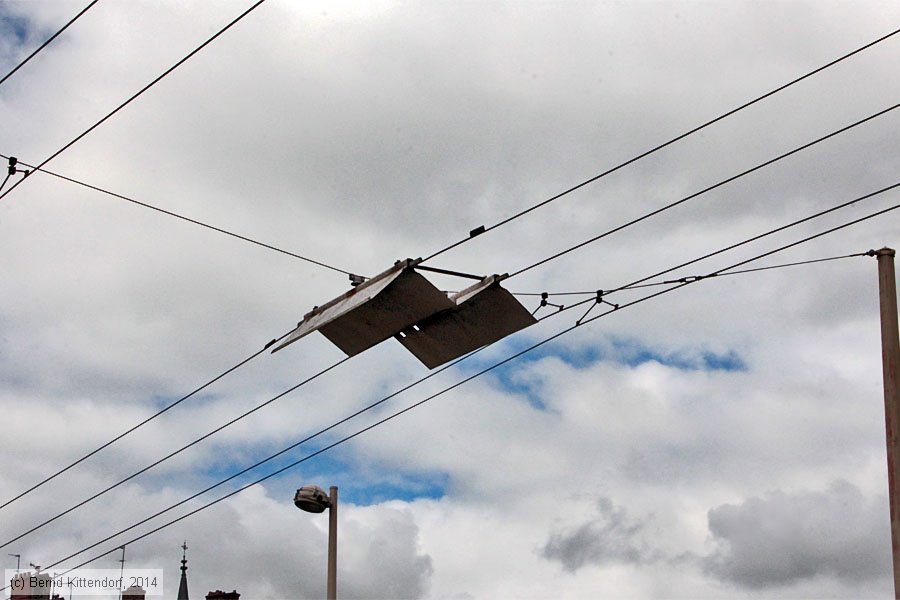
(634, 353)
(626, 351)
(13, 27)
(360, 483)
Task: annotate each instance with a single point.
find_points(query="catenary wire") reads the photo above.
(636, 284)
(142, 423)
(561, 309)
(664, 144)
(211, 40)
(682, 279)
(494, 366)
(45, 44)
(184, 218)
(304, 459)
(757, 237)
(453, 386)
(705, 190)
(176, 452)
(140, 92)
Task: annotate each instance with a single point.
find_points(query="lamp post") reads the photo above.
(312, 498)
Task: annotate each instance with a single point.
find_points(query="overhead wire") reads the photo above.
(141, 91)
(683, 279)
(578, 323)
(187, 219)
(46, 43)
(176, 452)
(142, 423)
(443, 391)
(598, 293)
(494, 226)
(481, 230)
(636, 284)
(672, 205)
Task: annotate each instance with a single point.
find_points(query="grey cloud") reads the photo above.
(781, 539)
(611, 536)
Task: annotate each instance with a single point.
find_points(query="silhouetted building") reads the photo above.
(220, 595)
(30, 586)
(135, 592)
(182, 585)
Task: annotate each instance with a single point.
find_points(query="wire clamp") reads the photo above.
(546, 302)
(598, 300)
(12, 170)
(355, 280)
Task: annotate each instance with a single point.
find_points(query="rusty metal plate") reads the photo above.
(374, 310)
(484, 313)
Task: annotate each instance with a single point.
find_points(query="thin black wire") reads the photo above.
(141, 424)
(45, 44)
(687, 277)
(629, 286)
(691, 279)
(183, 218)
(176, 452)
(5, 179)
(762, 235)
(141, 91)
(636, 284)
(505, 221)
(273, 456)
(304, 459)
(668, 143)
(743, 271)
(705, 190)
(287, 449)
(461, 382)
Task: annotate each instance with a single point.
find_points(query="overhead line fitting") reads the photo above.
(598, 300)
(546, 302)
(12, 170)
(400, 303)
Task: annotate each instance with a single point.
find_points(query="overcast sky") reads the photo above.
(722, 440)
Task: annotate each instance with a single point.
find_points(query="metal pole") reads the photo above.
(332, 544)
(122, 573)
(890, 360)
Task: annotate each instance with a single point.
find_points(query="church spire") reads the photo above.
(182, 585)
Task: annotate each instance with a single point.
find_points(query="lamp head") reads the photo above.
(312, 498)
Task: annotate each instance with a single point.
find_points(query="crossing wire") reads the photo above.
(142, 423)
(177, 452)
(481, 230)
(628, 286)
(683, 279)
(705, 190)
(140, 92)
(637, 284)
(183, 218)
(459, 383)
(47, 43)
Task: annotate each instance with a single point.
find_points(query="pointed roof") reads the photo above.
(182, 585)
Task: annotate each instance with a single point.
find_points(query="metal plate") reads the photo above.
(375, 310)
(484, 313)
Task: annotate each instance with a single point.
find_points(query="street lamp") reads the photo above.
(312, 498)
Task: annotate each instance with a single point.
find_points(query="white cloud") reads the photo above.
(359, 134)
